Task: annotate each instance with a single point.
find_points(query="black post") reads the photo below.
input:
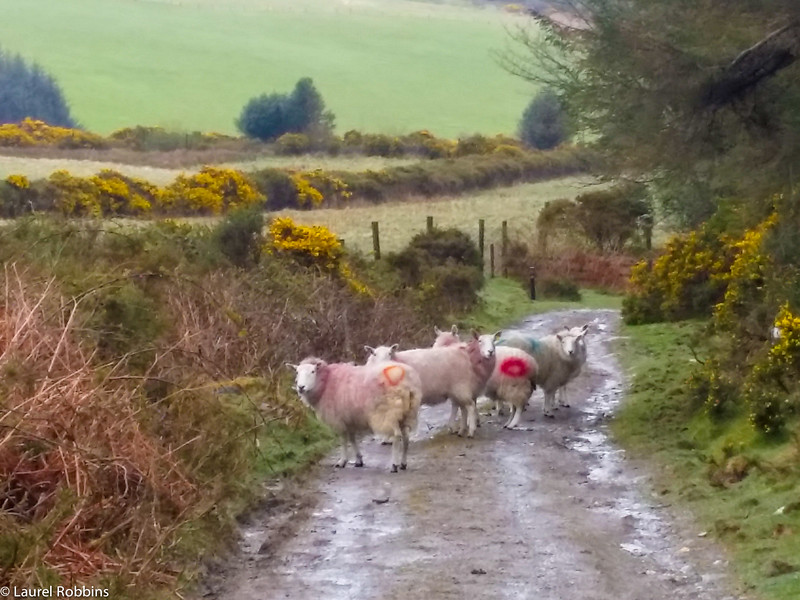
(376, 241)
(491, 260)
(481, 236)
(532, 280)
(430, 224)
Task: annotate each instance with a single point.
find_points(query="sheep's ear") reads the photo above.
(369, 349)
(498, 334)
(475, 335)
(437, 331)
(454, 329)
(393, 348)
(560, 337)
(585, 329)
(291, 366)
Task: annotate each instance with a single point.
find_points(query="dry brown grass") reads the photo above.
(162, 167)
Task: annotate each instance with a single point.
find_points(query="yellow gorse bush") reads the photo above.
(746, 273)
(109, 193)
(310, 244)
(211, 191)
(306, 193)
(18, 181)
(31, 132)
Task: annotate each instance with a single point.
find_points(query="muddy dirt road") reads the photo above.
(553, 513)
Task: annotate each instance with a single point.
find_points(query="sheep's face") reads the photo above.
(486, 344)
(381, 354)
(574, 345)
(306, 377)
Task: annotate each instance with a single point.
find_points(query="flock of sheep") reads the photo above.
(383, 396)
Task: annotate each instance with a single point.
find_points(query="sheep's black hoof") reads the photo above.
(550, 416)
(385, 442)
(393, 469)
(565, 406)
(340, 465)
(403, 466)
(359, 462)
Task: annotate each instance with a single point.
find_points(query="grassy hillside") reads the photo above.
(193, 64)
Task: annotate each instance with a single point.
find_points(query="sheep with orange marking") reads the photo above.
(353, 400)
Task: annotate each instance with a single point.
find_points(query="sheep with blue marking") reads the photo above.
(557, 357)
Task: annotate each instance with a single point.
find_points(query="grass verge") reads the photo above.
(506, 301)
(741, 487)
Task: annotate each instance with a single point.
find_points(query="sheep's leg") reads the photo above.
(343, 461)
(549, 401)
(451, 424)
(508, 421)
(463, 428)
(359, 458)
(404, 460)
(472, 417)
(517, 413)
(396, 451)
(562, 396)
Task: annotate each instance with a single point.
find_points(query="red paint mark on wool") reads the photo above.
(394, 374)
(514, 367)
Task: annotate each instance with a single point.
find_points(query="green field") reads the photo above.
(399, 221)
(390, 66)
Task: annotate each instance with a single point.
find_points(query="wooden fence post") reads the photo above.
(376, 241)
(491, 260)
(504, 249)
(430, 224)
(532, 281)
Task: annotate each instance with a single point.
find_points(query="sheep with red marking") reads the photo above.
(457, 372)
(381, 398)
(512, 382)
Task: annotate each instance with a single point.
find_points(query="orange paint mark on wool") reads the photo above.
(394, 374)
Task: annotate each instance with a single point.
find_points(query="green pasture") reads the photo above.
(389, 66)
(400, 221)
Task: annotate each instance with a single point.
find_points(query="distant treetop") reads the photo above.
(27, 91)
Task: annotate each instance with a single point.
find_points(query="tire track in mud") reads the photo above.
(547, 514)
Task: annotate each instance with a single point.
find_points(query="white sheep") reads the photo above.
(458, 372)
(512, 382)
(556, 363)
(354, 399)
(575, 345)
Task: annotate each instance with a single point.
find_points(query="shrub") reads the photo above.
(31, 132)
(26, 91)
(444, 246)
(211, 191)
(308, 245)
(561, 288)
(240, 236)
(544, 122)
(292, 144)
(267, 117)
(444, 267)
(609, 218)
